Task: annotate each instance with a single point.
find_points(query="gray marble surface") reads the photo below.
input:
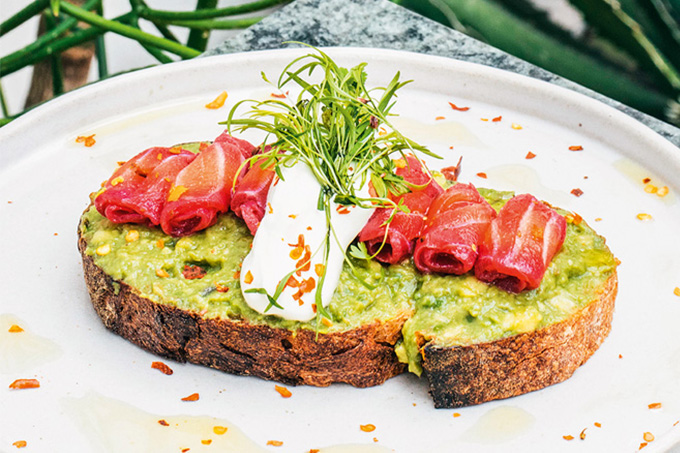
(379, 23)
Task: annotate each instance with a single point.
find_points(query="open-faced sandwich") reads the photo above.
(331, 253)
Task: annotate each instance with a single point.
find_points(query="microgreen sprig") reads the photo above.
(339, 129)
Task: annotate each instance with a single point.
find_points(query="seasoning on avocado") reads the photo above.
(193, 271)
(162, 367)
(21, 384)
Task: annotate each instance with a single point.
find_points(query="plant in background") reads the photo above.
(630, 50)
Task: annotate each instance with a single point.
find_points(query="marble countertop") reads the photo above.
(380, 23)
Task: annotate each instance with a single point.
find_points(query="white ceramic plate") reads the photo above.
(99, 393)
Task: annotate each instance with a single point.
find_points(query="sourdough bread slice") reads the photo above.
(140, 293)
(476, 342)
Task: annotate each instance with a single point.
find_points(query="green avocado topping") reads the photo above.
(445, 310)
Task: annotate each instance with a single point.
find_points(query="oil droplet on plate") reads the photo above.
(114, 426)
(445, 132)
(524, 179)
(499, 425)
(639, 174)
(23, 351)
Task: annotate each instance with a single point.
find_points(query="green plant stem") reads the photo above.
(198, 38)
(3, 103)
(45, 39)
(156, 14)
(57, 46)
(23, 15)
(153, 51)
(55, 58)
(140, 5)
(216, 24)
(100, 50)
(128, 31)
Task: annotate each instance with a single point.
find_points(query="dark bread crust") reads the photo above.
(361, 357)
(468, 375)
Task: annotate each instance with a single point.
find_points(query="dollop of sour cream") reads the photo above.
(292, 233)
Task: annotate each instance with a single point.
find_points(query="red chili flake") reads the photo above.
(582, 436)
(647, 180)
(642, 445)
(373, 122)
(309, 228)
(530, 155)
(620, 356)
(367, 428)
(568, 437)
(451, 173)
(314, 450)
(237, 275)
(326, 322)
(192, 272)
(206, 441)
(497, 119)
(292, 282)
(576, 148)
(21, 384)
(203, 146)
(455, 414)
(283, 391)
(676, 423)
(248, 279)
(162, 367)
(319, 269)
(314, 308)
(218, 102)
(342, 209)
(574, 218)
(598, 424)
(221, 288)
(20, 443)
(460, 109)
(87, 140)
(185, 450)
(654, 406)
(279, 95)
(305, 262)
(192, 397)
(15, 329)
(274, 443)
(163, 422)
(482, 175)
(577, 192)
(439, 118)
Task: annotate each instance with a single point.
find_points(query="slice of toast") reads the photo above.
(237, 341)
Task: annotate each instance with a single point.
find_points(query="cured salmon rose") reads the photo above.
(136, 191)
(203, 188)
(249, 199)
(456, 223)
(519, 244)
(405, 227)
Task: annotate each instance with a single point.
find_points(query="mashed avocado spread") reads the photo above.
(446, 310)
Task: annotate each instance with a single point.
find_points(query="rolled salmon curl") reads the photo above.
(398, 243)
(249, 199)
(414, 172)
(130, 181)
(457, 221)
(202, 189)
(520, 244)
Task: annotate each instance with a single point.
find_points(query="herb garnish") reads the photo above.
(340, 131)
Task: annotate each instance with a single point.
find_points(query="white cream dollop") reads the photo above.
(292, 214)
